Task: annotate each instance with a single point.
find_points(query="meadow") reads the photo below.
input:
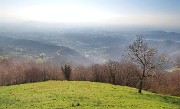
(81, 95)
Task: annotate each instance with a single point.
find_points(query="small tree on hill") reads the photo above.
(67, 71)
(146, 58)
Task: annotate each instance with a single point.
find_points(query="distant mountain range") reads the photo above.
(57, 54)
(162, 35)
(83, 46)
(165, 41)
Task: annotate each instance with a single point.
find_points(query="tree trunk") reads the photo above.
(141, 80)
(140, 85)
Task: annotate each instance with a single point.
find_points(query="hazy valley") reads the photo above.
(82, 46)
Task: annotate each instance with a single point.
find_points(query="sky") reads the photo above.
(114, 12)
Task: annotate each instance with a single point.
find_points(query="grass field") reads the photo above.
(85, 95)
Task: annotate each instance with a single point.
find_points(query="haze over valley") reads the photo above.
(86, 32)
(81, 45)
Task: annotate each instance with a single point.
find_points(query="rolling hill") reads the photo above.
(81, 95)
(85, 45)
(22, 47)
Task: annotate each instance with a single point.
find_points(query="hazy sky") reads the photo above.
(120, 12)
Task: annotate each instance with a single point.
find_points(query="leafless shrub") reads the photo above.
(80, 74)
(121, 73)
(18, 72)
(167, 83)
(128, 74)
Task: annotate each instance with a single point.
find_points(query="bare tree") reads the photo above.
(146, 58)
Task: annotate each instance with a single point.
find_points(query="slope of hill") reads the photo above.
(24, 47)
(74, 94)
(35, 47)
(159, 35)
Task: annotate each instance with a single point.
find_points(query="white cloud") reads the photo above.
(66, 14)
(77, 13)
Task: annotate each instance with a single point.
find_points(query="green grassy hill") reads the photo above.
(85, 95)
